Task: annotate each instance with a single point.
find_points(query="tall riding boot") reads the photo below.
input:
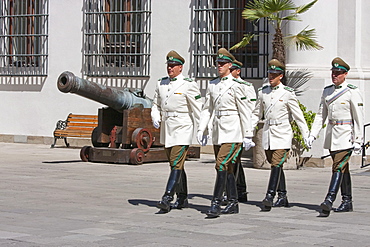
(271, 190)
(173, 180)
(346, 189)
(336, 180)
(282, 200)
(182, 193)
(241, 184)
(232, 206)
(215, 208)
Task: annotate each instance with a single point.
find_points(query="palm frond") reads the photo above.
(274, 6)
(304, 40)
(297, 79)
(290, 18)
(254, 14)
(304, 8)
(268, 8)
(244, 42)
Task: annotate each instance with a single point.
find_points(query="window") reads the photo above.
(24, 37)
(117, 37)
(219, 23)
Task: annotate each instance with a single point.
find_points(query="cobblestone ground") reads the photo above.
(48, 197)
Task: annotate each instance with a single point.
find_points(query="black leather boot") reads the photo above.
(327, 205)
(182, 193)
(232, 206)
(215, 208)
(282, 200)
(241, 184)
(271, 190)
(346, 189)
(165, 203)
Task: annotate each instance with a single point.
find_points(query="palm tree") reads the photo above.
(279, 13)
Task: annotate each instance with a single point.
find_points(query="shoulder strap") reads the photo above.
(337, 96)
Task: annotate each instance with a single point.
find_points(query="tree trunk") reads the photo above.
(278, 48)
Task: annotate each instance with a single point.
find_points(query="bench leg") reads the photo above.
(55, 140)
(65, 141)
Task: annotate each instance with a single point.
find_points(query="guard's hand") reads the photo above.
(308, 141)
(357, 148)
(248, 143)
(202, 139)
(156, 123)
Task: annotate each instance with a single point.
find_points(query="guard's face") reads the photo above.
(338, 77)
(174, 70)
(223, 68)
(235, 73)
(274, 79)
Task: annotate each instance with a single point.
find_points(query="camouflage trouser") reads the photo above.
(176, 156)
(226, 155)
(340, 160)
(277, 157)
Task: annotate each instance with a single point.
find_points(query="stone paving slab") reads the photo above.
(48, 197)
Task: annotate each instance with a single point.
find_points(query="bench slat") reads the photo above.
(92, 125)
(82, 116)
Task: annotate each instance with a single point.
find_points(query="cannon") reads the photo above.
(125, 134)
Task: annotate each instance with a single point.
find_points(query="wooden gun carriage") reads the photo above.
(125, 133)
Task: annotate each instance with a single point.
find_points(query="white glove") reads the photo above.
(156, 123)
(202, 139)
(308, 141)
(357, 148)
(248, 143)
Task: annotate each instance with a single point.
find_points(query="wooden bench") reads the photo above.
(80, 126)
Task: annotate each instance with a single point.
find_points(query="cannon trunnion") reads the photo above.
(125, 133)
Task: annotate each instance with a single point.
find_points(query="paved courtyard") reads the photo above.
(48, 197)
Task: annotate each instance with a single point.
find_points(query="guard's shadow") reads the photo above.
(313, 207)
(203, 208)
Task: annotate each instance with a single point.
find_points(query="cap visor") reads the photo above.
(337, 69)
(221, 60)
(173, 63)
(274, 71)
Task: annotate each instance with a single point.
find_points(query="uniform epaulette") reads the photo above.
(163, 78)
(351, 86)
(188, 79)
(262, 87)
(332, 85)
(242, 82)
(289, 89)
(213, 80)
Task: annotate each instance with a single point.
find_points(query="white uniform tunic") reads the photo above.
(227, 102)
(250, 92)
(343, 107)
(177, 102)
(276, 105)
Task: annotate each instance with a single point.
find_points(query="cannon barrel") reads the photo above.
(114, 98)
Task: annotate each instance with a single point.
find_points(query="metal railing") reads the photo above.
(24, 37)
(219, 24)
(117, 38)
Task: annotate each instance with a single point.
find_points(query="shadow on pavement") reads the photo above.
(62, 161)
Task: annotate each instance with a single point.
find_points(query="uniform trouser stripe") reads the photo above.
(282, 160)
(344, 160)
(178, 157)
(227, 157)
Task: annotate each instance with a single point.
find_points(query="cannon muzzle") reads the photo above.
(112, 97)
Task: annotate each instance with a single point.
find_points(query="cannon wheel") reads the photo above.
(94, 139)
(142, 138)
(84, 153)
(136, 156)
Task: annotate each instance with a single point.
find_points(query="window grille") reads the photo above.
(24, 37)
(219, 23)
(117, 38)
